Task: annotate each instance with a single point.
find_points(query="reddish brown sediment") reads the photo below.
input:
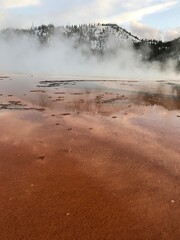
(37, 91)
(114, 175)
(4, 77)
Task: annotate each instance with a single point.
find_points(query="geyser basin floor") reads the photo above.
(89, 160)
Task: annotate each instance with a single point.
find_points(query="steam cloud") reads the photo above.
(22, 54)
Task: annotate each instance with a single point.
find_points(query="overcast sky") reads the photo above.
(145, 18)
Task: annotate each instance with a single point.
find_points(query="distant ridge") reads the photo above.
(100, 38)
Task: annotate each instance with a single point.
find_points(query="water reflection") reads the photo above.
(41, 100)
(104, 104)
(168, 98)
(100, 97)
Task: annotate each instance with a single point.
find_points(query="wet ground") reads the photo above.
(89, 158)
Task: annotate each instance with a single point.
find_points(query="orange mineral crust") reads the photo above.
(89, 160)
